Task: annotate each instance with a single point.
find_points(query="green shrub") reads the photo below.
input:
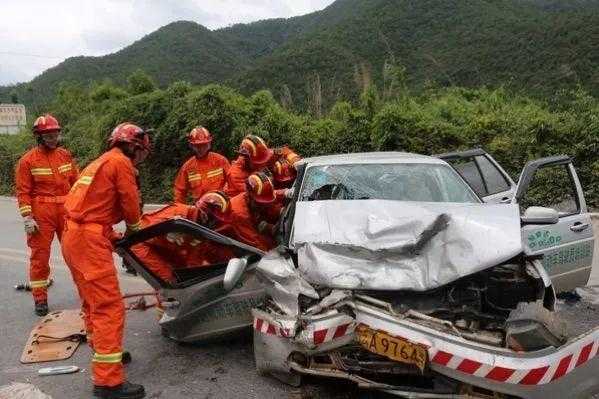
(513, 128)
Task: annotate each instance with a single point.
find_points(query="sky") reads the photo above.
(38, 34)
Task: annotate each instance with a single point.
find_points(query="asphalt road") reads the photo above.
(167, 370)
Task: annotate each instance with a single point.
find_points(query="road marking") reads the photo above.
(26, 255)
(59, 263)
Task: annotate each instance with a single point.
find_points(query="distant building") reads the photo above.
(12, 118)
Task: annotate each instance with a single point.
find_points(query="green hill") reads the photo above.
(538, 46)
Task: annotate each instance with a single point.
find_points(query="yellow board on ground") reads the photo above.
(55, 337)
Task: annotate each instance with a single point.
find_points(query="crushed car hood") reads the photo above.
(393, 245)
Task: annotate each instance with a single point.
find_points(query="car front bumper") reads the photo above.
(283, 343)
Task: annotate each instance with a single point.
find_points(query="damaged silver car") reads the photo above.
(398, 275)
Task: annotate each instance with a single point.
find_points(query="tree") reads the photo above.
(14, 97)
(140, 82)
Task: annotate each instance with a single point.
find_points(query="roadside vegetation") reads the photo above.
(512, 127)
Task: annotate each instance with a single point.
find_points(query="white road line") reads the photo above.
(61, 265)
(53, 260)
(14, 259)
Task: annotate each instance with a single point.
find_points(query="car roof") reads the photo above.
(372, 157)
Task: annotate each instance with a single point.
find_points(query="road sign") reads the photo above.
(12, 118)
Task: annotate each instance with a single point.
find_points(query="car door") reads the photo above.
(566, 247)
(486, 177)
(197, 306)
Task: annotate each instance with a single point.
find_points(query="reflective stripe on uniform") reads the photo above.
(65, 168)
(25, 209)
(41, 171)
(134, 226)
(85, 180)
(39, 283)
(193, 176)
(215, 172)
(108, 358)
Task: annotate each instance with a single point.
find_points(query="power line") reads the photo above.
(29, 55)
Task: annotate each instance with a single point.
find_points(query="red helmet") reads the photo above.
(130, 133)
(260, 188)
(46, 124)
(257, 150)
(283, 172)
(217, 205)
(198, 136)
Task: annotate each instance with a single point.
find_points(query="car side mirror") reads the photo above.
(540, 215)
(235, 269)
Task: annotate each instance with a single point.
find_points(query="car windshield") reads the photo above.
(398, 182)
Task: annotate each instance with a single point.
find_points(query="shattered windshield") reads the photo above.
(399, 182)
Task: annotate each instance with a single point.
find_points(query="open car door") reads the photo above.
(198, 306)
(486, 177)
(556, 222)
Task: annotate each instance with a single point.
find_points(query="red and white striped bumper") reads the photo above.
(450, 352)
(492, 364)
(313, 334)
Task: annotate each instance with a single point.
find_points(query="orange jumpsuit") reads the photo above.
(245, 224)
(238, 174)
(105, 194)
(160, 255)
(43, 177)
(154, 253)
(272, 214)
(198, 176)
(240, 169)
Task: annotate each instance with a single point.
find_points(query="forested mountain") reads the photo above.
(537, 46)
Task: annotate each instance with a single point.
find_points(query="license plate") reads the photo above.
(394, 348)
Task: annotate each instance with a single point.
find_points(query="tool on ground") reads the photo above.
(55, 337)
(27, 286)
(58, 370)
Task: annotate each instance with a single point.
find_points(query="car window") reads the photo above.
(468, 169)
(495, 181)
(552, 187)
(400, 182)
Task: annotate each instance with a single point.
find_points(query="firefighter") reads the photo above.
(254, 155)
(247, 208)
(43, 176)
(178, 250)
(286, 155)
(105, 194)
(283, 176)
(205, 171)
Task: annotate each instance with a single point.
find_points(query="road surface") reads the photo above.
(168, 370)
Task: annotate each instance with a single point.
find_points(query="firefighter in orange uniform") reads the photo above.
(205, 171)
(286, 154)
(254, 155)
(247, 208)
(105, 194)
(43, 177)
(178, 250)
(283, 177)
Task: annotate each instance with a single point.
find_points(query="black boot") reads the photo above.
(126, 390)
(41, 308)
(126, 358)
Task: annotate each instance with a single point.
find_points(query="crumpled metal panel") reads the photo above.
(392, 245)
(283, 283)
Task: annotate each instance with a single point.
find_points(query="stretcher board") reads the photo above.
(57, 324)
